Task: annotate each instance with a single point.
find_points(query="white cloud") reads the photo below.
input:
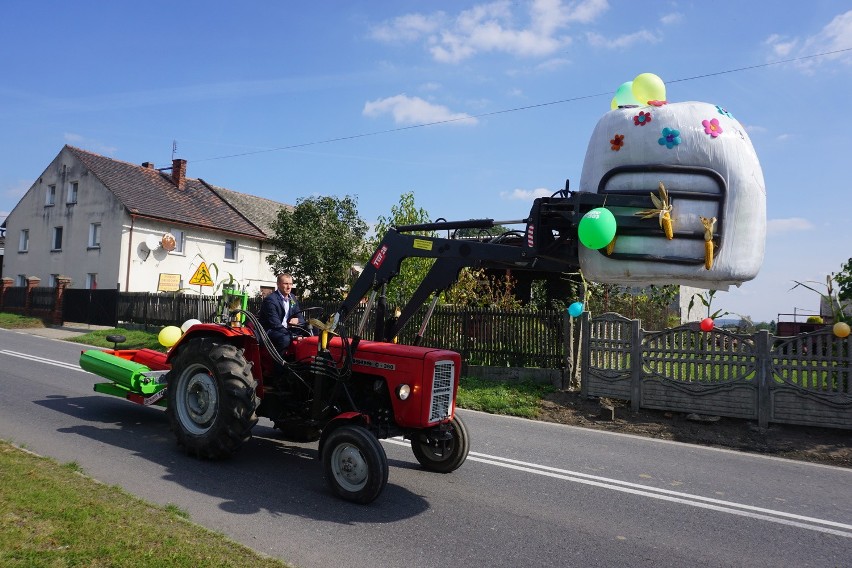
(414, 110)
(835, 36)
(89, 144)
(790, 225)
(526, 194)
(672, 18)
(622, 41)
(410, 27)
(491, 27)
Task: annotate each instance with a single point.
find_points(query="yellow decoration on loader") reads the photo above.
(708, 241)
(663, 210)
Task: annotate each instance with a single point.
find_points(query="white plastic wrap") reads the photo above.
(716, 173)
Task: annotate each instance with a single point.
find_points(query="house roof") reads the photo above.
(147, 192)
(260, 211)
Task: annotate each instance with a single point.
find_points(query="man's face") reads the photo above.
(285, 285)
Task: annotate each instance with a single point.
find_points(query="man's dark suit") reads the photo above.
(272, 314)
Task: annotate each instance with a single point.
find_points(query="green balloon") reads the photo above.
(597, 228)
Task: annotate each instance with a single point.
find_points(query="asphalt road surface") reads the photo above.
(531, 493)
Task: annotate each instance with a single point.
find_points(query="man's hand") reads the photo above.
(294, 321)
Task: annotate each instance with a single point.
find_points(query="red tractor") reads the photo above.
(218, 379)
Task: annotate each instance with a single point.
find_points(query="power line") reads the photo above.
(516, 109)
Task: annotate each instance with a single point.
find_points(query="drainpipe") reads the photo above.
(129, 254)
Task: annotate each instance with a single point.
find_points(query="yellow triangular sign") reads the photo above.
(201, 276)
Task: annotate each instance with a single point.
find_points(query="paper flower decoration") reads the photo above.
(617, 142)
(642, 118)
(670, 138)
(712, 127)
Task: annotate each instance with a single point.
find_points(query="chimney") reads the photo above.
(179, 173)
(148, 165)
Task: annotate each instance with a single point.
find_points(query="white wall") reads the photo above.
(249, 269)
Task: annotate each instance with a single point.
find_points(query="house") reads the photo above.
(108, 223)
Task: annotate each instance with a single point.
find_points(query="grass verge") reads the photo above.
(17, 321)
(513, 399)
(136, 339)
(51, 515)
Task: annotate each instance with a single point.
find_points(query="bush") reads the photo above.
(815, 319)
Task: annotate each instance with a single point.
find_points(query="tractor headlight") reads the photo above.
(403, 392)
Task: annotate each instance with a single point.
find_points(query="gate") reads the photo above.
(94, 307)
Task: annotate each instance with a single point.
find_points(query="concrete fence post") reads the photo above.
(764, 371)
(636, 365)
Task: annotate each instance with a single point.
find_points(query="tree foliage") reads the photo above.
(412, 270)
(844, 282)
(318, 242)
(474, 288)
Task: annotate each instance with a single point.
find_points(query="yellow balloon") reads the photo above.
(841, 329)
(169, 335)
(613, 105)
(648, 87)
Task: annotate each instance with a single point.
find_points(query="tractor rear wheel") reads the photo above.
(443, 456)
(355, 464)
(211, 398)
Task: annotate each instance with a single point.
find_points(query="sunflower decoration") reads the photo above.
(662, 210)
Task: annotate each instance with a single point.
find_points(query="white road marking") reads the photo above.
(30, 357)
(780, 517)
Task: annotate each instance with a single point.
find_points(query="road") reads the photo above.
(530, 494)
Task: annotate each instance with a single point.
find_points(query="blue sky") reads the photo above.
(292, 99)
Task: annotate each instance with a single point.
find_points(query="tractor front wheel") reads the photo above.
(211, 398)
(355, 464)
(441, 454)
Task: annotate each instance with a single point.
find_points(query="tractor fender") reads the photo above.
(341, 420)
(234, 336)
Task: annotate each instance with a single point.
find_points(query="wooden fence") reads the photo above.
(801, 380)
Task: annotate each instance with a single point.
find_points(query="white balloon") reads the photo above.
(188, 324)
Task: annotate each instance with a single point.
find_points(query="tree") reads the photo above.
(412, 270)
(474, 288)
(318, 242)
(844, 282)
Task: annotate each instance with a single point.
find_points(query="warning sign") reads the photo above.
(201, 276)
(168, 282)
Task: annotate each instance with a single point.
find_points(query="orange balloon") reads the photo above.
(841, 329)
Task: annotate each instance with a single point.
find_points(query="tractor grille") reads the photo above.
(442, 391)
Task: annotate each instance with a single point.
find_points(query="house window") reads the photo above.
(57, 239)
(22, 279)
(179, 240)
(94, 235)
(230, 249)
(72, 192)
(52, 280)
(24, 241)
(92, 281)
(50, 198)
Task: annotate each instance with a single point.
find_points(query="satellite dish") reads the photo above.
(168, 242)
(151, 242)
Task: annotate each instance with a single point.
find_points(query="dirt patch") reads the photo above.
(819, 445)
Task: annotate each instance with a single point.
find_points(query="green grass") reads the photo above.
(136, 339)
(51, 515)
(16, 321)
(513, 399)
